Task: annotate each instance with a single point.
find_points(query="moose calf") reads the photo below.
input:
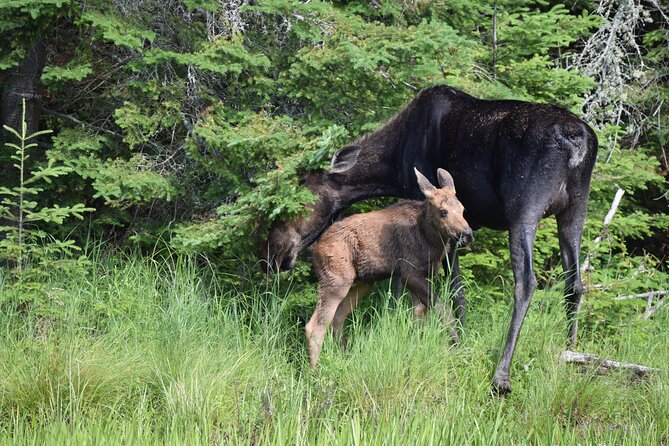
(408, 239)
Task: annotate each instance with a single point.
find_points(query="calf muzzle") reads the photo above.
(466, 237)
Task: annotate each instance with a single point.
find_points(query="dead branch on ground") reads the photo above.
(587, 359)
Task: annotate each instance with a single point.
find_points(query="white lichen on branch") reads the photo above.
(614, 58)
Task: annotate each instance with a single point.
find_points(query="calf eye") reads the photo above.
(443, 212)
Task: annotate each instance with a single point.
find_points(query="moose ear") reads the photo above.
(425, 186)
(344, 159)
(445, 179)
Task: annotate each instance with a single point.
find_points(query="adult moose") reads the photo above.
(513, 163)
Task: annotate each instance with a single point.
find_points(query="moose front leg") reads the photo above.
(452, 269)
(521, 241)
(420, 289)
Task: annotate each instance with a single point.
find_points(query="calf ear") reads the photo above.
(344, 159)
(425, 186)
(445, 179)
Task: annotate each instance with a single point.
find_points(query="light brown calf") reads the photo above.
(408, 239)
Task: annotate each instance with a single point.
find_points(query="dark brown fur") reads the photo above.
(408, 239)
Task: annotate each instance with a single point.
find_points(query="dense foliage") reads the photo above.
(190, 122)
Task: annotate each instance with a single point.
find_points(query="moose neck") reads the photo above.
(375, 172)
(335, 193)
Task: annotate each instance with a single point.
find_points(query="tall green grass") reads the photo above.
(136, 351)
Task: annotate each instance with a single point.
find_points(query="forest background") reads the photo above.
(181, 129)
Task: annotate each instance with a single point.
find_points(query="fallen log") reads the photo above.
(587, 359)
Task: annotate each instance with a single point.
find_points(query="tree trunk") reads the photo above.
(22, 82)
(18, 83)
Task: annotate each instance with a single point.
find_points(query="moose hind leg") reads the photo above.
(521, 242)
(570, 229)
(329, 298)
(345, 308)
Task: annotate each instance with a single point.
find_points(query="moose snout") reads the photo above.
(275, 263)
(466, 236)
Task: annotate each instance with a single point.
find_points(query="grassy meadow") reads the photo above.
(136, 351)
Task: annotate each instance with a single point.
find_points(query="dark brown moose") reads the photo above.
(408, 240)
(513, 163)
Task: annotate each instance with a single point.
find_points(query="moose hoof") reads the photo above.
(501, 387)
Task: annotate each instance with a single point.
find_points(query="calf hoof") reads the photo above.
(501, 387)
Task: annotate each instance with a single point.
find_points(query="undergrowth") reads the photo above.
(132, 351)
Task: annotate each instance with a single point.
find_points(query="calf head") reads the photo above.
(445, 212)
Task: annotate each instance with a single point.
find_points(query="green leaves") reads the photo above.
(536, 69)
(220, 56)
(373, 67)
(540, 31)
(124, 183)
(21, 22)
(275, 193)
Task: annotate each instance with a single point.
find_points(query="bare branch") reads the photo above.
(612, 56)
(605, 227)
(642, 295)
(650, 308)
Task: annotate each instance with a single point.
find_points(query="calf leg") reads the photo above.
(420, 289)
(521, 241)
(345, 308)
(419, 308)
(570, 229)
(330, 295)
(452, 269)
(397, 287)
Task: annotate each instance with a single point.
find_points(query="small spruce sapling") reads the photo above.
(21, 240)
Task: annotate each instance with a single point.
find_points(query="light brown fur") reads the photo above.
(408, 239)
